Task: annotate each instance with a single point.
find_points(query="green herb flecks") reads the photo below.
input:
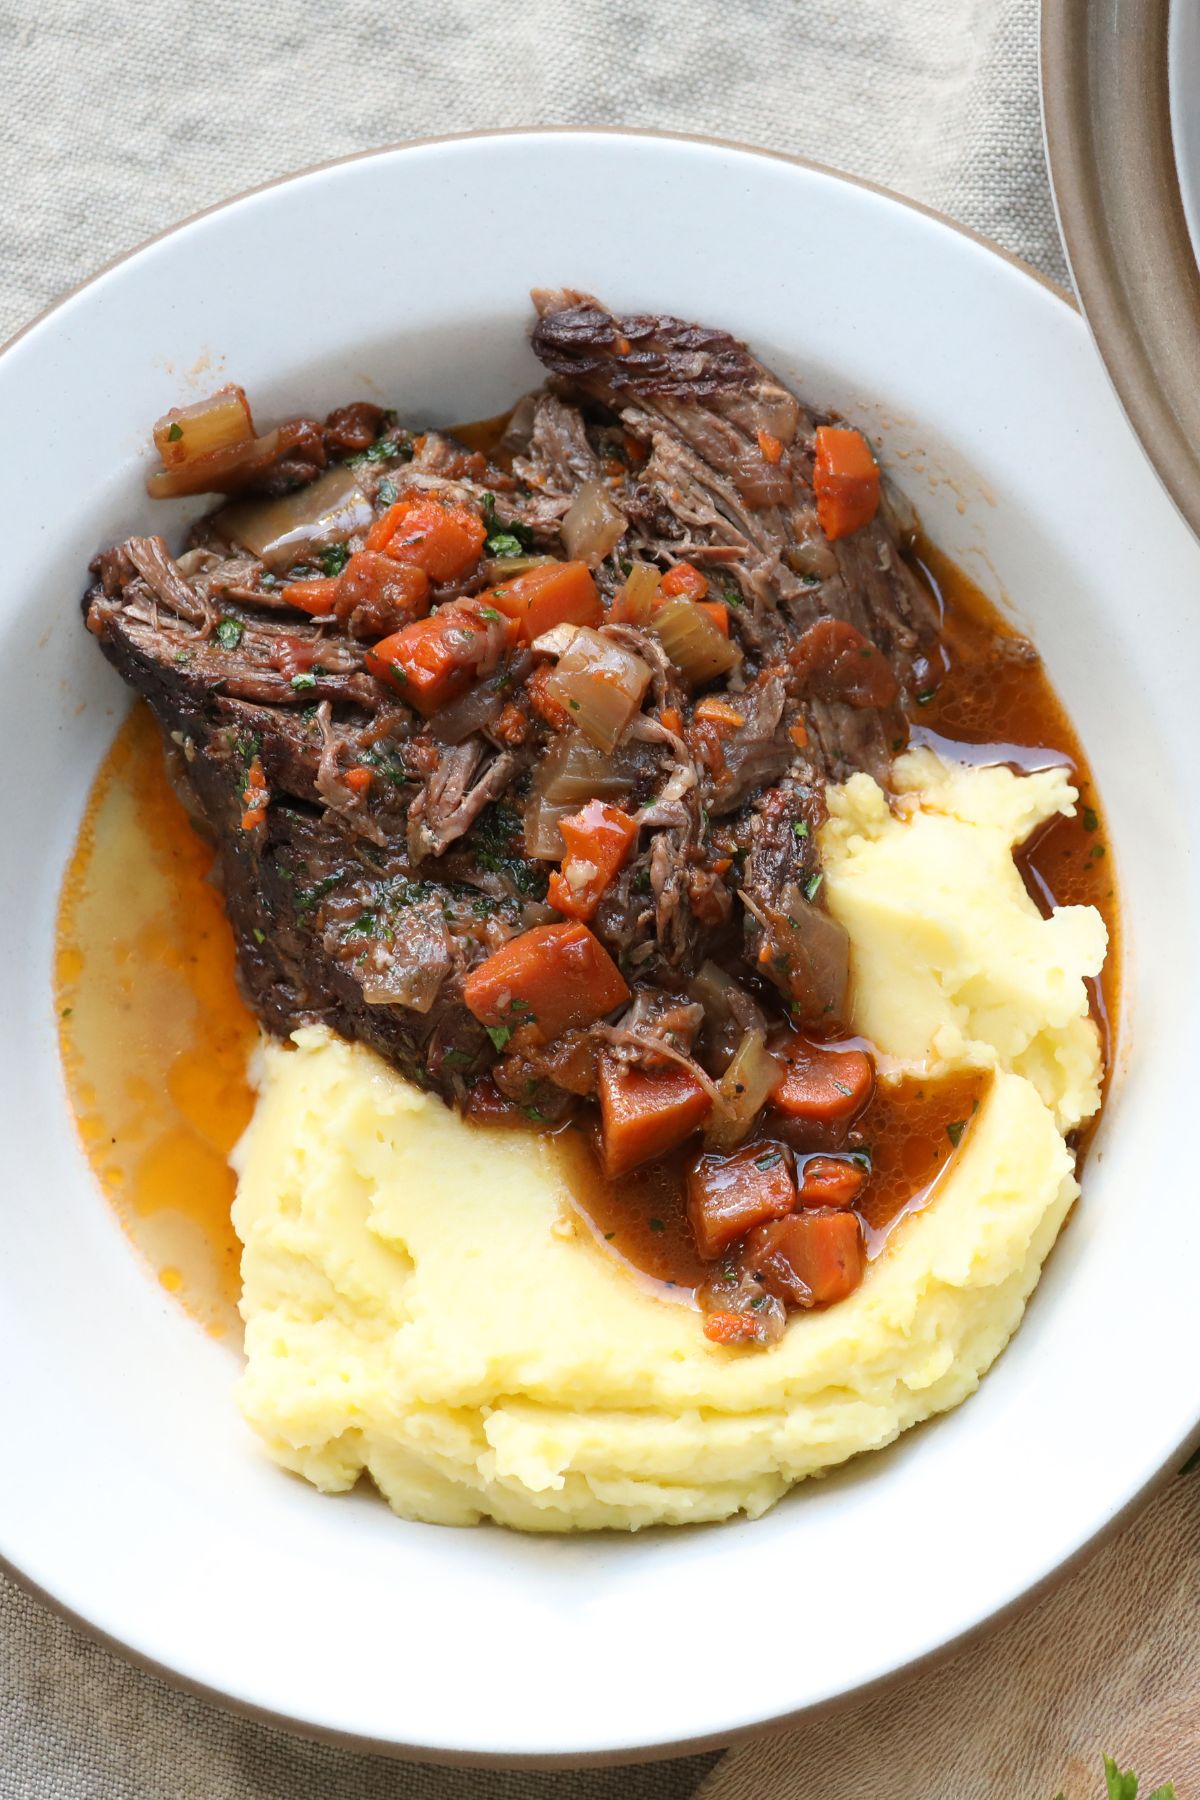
(499, 1035)
(304, 681)
(175, 433)
(955, 1130)
(333, 558)
(812, 887)
(505, 537)
(229, 633)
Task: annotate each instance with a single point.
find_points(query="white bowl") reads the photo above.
(134, 1496)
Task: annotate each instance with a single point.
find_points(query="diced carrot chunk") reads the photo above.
(718, 612)
(644, 1114)
(836, 662)
(358, 780)
(598, 840)
(255, 797)
(442, 539)
(845, 481)
(809, 1259)
(434, 660)
(821, 1084)
(372, 578)
(317, 597)
(552, 712)
(684, 582)
(729, 1195)
(770, 446)
(555, 594)
(831, 1181)
(730, 1328)
(714, 711)
(554, 977)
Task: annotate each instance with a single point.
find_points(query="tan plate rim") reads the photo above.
(1106, 112)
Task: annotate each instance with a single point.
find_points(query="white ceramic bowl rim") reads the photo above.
(572, 1650)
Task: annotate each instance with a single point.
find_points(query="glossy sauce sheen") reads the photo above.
(155, 1037)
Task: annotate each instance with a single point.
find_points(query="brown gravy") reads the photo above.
(155, 1037)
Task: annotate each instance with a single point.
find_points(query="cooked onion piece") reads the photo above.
(592, 525)
(284, 531)
(601, 684)
(744, 1089)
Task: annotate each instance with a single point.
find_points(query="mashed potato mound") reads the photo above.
(417, 1304)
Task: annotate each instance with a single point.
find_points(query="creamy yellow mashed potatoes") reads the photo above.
(418, 1306)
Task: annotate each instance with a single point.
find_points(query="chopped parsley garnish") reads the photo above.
(499, 1035)
(955, 1130)
(387, 491)
(731, 597)
(175, 433)
(305, 680)
(925, 696)
(334, 558)
(183, 656)
(260, 937)
(812, 886)
(384, 449)
(770, 1161)
(505, 537)
(801, 828)
(489, 613)
(229, 633)
(454, 1058)
(1091, 819)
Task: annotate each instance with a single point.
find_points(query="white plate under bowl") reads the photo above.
(133, 1495)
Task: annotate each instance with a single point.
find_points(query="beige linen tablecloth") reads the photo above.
(117, 118)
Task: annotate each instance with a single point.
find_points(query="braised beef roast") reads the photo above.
(379, 839)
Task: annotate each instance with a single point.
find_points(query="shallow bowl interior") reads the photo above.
(135, 1496)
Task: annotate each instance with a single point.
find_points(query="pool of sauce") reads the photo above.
(156, 1039)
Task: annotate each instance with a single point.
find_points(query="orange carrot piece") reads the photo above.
(831, 1181)
(835, 661)
(358, 780)
(718, 612)
(714, 711)
(553, 977)
(845, 481)
(727, 1196)
(730, 1328)
(670, 717)
(811, 1258)
(770, 446)
(644, 1114)
(799, 734)
(598, 839)
(555, 594)
(552, 712)
(684, 582)
(434, 660)
(821, 1084)
(256, 796)
(372, 578)
(318, 596)
(433, 535)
